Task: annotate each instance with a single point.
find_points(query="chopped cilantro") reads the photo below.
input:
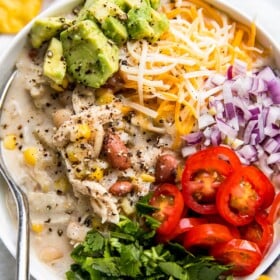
(129, 251)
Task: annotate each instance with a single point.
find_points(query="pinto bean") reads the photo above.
(116, 151)
(121, 188)
(165, 171)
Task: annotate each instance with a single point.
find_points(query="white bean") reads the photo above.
(49, 254)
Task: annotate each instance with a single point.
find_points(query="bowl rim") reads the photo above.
(16, 45)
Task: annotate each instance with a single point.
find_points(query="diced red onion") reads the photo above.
(248, 130)
(249, 152)
(274, 89)
(271, 146)
(215, 136)
(225, 128)
(205, 120)
(218, 79)
(266, 74)
(272, 130)
(188, 150)
(242, 86)
(229, 72)
(273, 115)
(273, 158)
(264, 165)
(258, 86)
(193, 138)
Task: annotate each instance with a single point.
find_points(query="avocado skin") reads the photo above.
(90, 57)
(45, 28)
(54, 65)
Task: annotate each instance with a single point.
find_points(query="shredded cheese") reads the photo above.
(170, 75)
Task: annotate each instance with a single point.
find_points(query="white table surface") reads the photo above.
(264, 12)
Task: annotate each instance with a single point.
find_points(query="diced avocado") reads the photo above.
(100, 10)
(146, 23)
(54, 65)
(159, 23)
(115, 30)
(45, 28)
(137, 23)
(109, 16)
(91, 58)
(155, 4)
(126, 5)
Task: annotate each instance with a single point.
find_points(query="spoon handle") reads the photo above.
(22, 257)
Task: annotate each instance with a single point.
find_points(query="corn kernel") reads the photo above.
(212, 111)
(58, 87)
(37, 228)
(125, 109)
(97, 174)
(72, 153)
(101, 91)
(147, 178)
(30, 155)
(10, 142)
(80, 173)
(83, 131)
(105, 98)
(62, 184)
(234, 143)
(264, 277)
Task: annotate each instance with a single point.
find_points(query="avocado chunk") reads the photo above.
(90, 56)
(100, 10)
(115, 30)
(126, 5)
(109, 16)
(45, 28)
(146, 23)
(54, 65)
(155, 4)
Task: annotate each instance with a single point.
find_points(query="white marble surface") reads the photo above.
(266, 13)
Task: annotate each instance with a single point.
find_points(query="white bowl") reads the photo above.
(7, 64)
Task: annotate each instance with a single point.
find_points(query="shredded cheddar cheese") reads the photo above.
(169, 76)
(16, 14)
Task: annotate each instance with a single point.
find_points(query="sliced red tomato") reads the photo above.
(274, 210)
(184, 225)
(242, 194)
(206, 235)
(169, 201)
(243, 255)
(259, 231)
(217, 152)
(219, 220)
(200, 182)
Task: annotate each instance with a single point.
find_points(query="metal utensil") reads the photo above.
(22, 256)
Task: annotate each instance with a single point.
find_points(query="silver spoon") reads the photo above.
(22, 256)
